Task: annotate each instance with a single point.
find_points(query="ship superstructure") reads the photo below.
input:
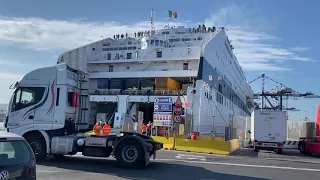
(128, 72)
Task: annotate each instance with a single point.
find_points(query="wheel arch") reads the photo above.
(43, 134)
(136, 138)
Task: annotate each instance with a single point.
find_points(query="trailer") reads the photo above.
(310, 144)
(268, 130)
(50, 107)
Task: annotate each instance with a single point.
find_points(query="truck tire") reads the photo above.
(302, 147)
(38, 146)
(130, 154)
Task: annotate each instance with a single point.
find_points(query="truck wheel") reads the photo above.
(38, 146)
(130, 154)
(302, 148)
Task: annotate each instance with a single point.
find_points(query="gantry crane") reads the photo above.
(279, 93)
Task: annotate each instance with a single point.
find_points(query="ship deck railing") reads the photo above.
(166, 92)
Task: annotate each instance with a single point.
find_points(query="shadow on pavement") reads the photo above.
(245, 152)
(155, 171)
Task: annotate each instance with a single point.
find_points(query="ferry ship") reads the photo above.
(129, 73)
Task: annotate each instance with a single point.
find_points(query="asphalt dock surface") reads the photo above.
(173, 165)
(188, 166)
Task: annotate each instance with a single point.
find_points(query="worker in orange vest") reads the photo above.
(149, 128)
(106, 130)
(143, 129)
(97, 128)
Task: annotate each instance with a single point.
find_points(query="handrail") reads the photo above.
(167, 92)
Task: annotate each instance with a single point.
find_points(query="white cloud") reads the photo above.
(7, 79)
(255, 49)
(10, 76)
(41, 34)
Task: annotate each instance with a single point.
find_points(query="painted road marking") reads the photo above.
(43, 171)
(190, 157)
(242, 165)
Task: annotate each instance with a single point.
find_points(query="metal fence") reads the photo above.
(294, 129)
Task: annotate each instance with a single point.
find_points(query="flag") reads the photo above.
(173, 14)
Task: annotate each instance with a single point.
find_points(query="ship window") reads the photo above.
(110, 68)
(111, 49)
(186, 39)
(129, 48)
(129, 42)
(120, 48)
(171, 40)
(134, 48)
(220, 88)
(177, 39)
(152, 42)
(159, 54)
(185, 66)
(27, 96)
(199, 38)
(125, 48)
(129, 55)
(115, 84)
(109, 56)
(116, 49)
(103, 83)
(157, 42)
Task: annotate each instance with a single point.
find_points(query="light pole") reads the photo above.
(313, 114)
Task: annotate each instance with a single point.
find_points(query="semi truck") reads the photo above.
(50, 107)
(268, 130)
(310, 143)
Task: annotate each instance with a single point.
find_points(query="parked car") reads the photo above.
(17, 160)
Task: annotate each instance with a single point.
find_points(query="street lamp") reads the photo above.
(313, 114)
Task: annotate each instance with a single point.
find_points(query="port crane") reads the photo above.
(278, 94)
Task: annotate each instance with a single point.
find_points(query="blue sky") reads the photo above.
(278, 38)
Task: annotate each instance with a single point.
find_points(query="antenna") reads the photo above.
(152, 23)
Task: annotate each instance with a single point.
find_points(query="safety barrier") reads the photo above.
(168, 143)
(202, 146)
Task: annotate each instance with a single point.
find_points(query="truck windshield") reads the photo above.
(26, 96)
(14, 153)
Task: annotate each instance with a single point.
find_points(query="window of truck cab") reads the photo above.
(24, 97)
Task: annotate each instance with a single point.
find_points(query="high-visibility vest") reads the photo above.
(106, 130)
(97, 129)
(144, 128)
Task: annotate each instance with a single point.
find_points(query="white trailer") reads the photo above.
(51, 105)
(268, 130)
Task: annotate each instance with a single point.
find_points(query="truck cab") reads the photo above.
(50, 106)
(46, 102)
